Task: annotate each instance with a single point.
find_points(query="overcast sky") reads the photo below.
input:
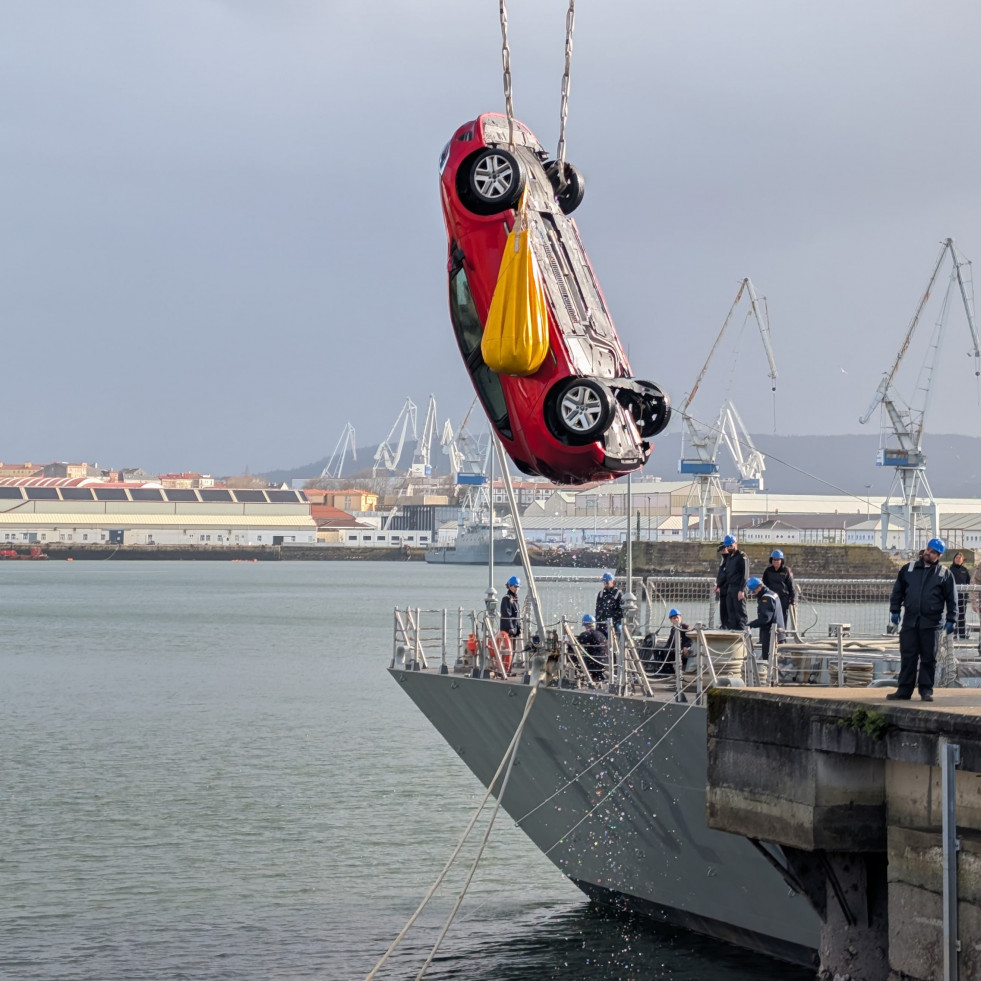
(221, 240)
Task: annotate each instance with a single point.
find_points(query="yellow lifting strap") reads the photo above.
(515, 340)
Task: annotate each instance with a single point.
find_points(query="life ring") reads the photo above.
(505, 648)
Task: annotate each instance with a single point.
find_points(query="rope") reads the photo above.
(508, 759)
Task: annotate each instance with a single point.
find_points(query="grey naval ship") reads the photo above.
(472, 546)
(629, 830)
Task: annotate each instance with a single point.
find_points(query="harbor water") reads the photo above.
(206, 773)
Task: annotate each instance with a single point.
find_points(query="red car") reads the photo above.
(582, 415)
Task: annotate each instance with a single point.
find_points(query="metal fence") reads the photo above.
(856, 609)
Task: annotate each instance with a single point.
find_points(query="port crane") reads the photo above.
(706, 499)
(345, 442)
(467, 460)
(385, 457)
(421, 466)
(910, 501)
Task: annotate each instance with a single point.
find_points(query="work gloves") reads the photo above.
(895, 619)
(949, 627)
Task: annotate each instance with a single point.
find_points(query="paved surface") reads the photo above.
(963, 701)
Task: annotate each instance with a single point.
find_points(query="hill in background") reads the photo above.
(794, 464)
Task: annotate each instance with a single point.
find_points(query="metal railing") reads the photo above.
(837, 637)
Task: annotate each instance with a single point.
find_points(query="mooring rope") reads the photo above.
(507, 760)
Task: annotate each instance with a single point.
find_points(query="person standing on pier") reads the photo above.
(729, 583)
(923, 588)
(511, 611)
(769, 614)
(961, 578)
(778, 578)
(609, 604)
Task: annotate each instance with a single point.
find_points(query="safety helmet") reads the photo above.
(608, 577)
(674, 613)
(728, 540)
(776, 554)
(753, 584)
(938, 545)
(513, 581)
(588, 618)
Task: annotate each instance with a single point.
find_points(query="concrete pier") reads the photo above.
(842, 791)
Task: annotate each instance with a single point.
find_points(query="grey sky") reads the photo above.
(220, 234)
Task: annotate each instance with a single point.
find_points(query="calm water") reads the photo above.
(206, 773)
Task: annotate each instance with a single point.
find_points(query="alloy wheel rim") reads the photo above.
(581, 409)
(493, 176)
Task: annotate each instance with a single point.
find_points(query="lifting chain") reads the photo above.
(570, 23)
(506, 59)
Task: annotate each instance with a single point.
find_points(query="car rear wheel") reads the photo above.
(583, 410)
(650, 408)
(494, 181)
(570, 196)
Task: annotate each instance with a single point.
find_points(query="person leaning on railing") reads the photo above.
(593, 642)
(961, 578)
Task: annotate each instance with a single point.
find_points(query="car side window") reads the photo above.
(491, 393)
(463, 313)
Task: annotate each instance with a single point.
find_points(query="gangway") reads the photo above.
(910, 501)
(706, 500)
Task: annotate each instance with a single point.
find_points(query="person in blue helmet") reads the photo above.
(924, 589)
(779, 579)
(660, 659)
(729, 582)
(594, 644)
(769, 614)
(510, 610)
(609, 604)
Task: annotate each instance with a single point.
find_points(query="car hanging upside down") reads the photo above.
(579, 414)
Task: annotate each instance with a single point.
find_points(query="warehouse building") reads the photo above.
(86, 511)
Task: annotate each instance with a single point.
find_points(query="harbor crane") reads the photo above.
(421, 466)
(910, 501)
(467, 460)
(706, 499)
(336, 462)
(385, 457)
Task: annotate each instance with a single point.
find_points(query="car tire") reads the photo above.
(490, 181)
(581, 410)
(651, 409)
(569, 197)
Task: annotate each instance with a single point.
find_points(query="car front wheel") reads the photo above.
(494, 181)
(569, 194)
(583, 410)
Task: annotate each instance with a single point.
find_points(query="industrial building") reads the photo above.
(85, 511)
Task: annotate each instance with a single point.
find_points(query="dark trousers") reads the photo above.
(917, 644)
(766, 633)
(735, 617)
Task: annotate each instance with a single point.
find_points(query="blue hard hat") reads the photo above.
(753, 584)
(513, 581)
(938, 545)
(588, 618)
(728, 540)
(607, 577)
(776, 554)
(674, 613)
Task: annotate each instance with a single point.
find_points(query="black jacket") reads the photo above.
(593, 642)
(510, 614)
(924, 590)
(962, 577)
(609, 606)
(768, 610)
(732, 572)
(781, 582)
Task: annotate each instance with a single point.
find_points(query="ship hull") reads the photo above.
(612, 790)
(504, 554)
